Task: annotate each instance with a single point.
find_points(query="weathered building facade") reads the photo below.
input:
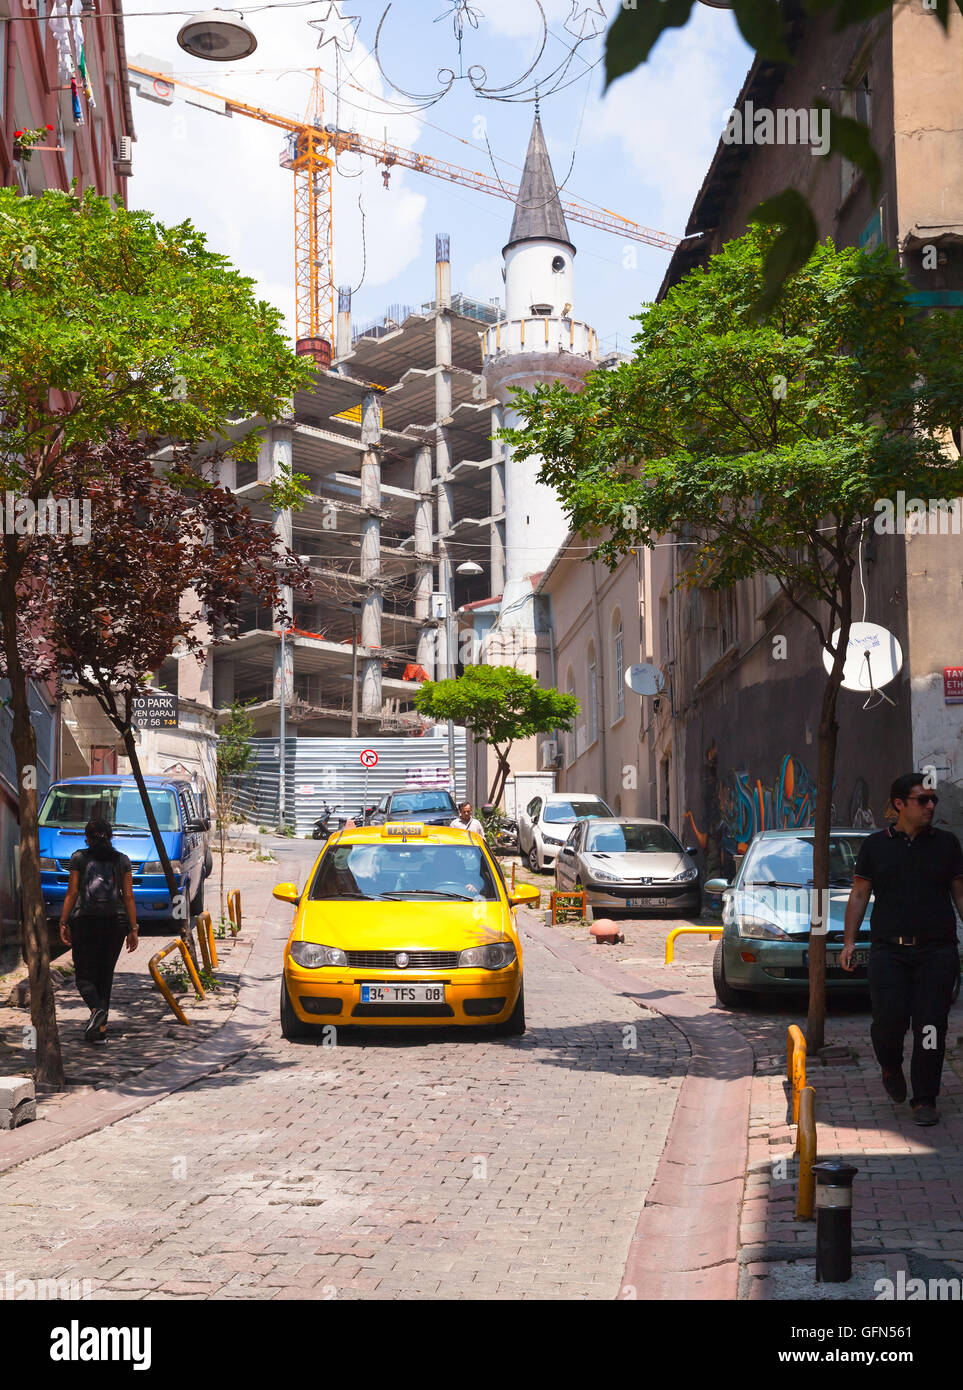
(744, 720)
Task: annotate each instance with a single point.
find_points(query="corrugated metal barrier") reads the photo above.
(319, 770)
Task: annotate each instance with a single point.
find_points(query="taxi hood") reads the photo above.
(421, 925)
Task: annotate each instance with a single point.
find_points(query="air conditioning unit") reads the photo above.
(125, 154)
(549, 752)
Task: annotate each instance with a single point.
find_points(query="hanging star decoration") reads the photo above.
(460, 11)
(336, 28)
(585, 21)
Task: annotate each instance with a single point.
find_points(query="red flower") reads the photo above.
(50, 127)
(17, 134)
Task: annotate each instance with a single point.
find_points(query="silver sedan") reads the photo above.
(629, 865)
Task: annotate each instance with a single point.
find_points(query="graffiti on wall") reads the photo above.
(738, 807)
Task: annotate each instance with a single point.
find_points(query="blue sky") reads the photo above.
(641, 150)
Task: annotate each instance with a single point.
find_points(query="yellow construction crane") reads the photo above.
(312, 149)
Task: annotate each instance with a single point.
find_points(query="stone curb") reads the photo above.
(250, 1022)
(686, 1242)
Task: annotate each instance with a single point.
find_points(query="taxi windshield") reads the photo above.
(393, 872)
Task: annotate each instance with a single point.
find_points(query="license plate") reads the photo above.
(832, 958)
(402, 994)
(647, 902)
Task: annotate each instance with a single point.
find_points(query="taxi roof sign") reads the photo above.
(404, 830)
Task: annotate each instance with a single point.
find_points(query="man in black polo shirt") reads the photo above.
(915, 873)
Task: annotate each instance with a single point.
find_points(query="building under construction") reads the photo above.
(406, 485)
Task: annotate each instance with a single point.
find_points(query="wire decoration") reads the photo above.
(534, 84)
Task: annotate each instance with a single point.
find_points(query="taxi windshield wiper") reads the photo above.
(434, 892)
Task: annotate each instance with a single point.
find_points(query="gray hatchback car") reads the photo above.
(629, 864)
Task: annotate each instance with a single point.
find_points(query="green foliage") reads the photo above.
(497, 703)
(144, 326)
(762, 447)
(234, 752)
(287, 491)
(635, 32)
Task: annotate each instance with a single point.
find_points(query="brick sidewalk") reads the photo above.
(143, 1031)
(908, 1194)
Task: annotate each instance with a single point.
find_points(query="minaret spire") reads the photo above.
(538, 211)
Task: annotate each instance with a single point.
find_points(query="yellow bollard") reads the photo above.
(177, 945)
(205, 939)
(806, 1148)
(713, 933)
(795, 1065)
(234, 910)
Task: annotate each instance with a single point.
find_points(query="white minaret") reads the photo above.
(538, 341)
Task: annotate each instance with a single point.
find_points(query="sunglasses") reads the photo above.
(928, 800)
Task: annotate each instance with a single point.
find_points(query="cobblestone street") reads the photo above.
(429, 1165)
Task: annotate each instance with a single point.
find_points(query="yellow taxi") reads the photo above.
(403, 924)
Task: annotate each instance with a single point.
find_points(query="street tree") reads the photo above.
(764, 448)
(170, 559)
(235, 756)
(499, 705)
(768, 26)
(109, 320)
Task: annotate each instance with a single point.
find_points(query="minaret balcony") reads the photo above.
(540, 333)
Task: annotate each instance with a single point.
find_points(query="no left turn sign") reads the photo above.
(369, 757)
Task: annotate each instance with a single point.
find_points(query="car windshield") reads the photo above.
(789, 861)
(613, 838)
(421, 801)
(71, 805)
(557, 811)
(426, 872)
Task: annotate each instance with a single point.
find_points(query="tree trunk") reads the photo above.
(43, 1013)
(501, 775)
(825, 774)
(184, 917)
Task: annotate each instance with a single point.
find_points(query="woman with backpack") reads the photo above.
(101, 888)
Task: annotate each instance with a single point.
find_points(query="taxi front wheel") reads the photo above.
(291, 1026)
(514, 1026)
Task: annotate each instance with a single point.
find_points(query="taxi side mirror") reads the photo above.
(523, 893)
(287, 893)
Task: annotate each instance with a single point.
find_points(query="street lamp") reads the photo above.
(220, 36)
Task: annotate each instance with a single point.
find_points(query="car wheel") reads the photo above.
(725, 994)
(197, 902)
(291, 1025)
(533, 863)
(208, 864)
(589, 911)
(514, 1026)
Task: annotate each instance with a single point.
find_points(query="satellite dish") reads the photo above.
(644, 679)
(873, 657)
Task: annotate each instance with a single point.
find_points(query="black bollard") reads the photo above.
(834, 1221)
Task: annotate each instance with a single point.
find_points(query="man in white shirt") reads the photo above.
(466, 821)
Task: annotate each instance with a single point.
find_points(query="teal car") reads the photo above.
(765, 914)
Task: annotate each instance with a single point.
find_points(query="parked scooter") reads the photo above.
(328, 823)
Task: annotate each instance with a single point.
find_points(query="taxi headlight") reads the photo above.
(493, 957)
(312, 956)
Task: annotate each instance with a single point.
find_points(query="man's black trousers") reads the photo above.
(912, 984)
(97, 944)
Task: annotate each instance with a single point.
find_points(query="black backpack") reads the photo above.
(99, 890)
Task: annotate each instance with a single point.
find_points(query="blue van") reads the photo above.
(71, 803)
